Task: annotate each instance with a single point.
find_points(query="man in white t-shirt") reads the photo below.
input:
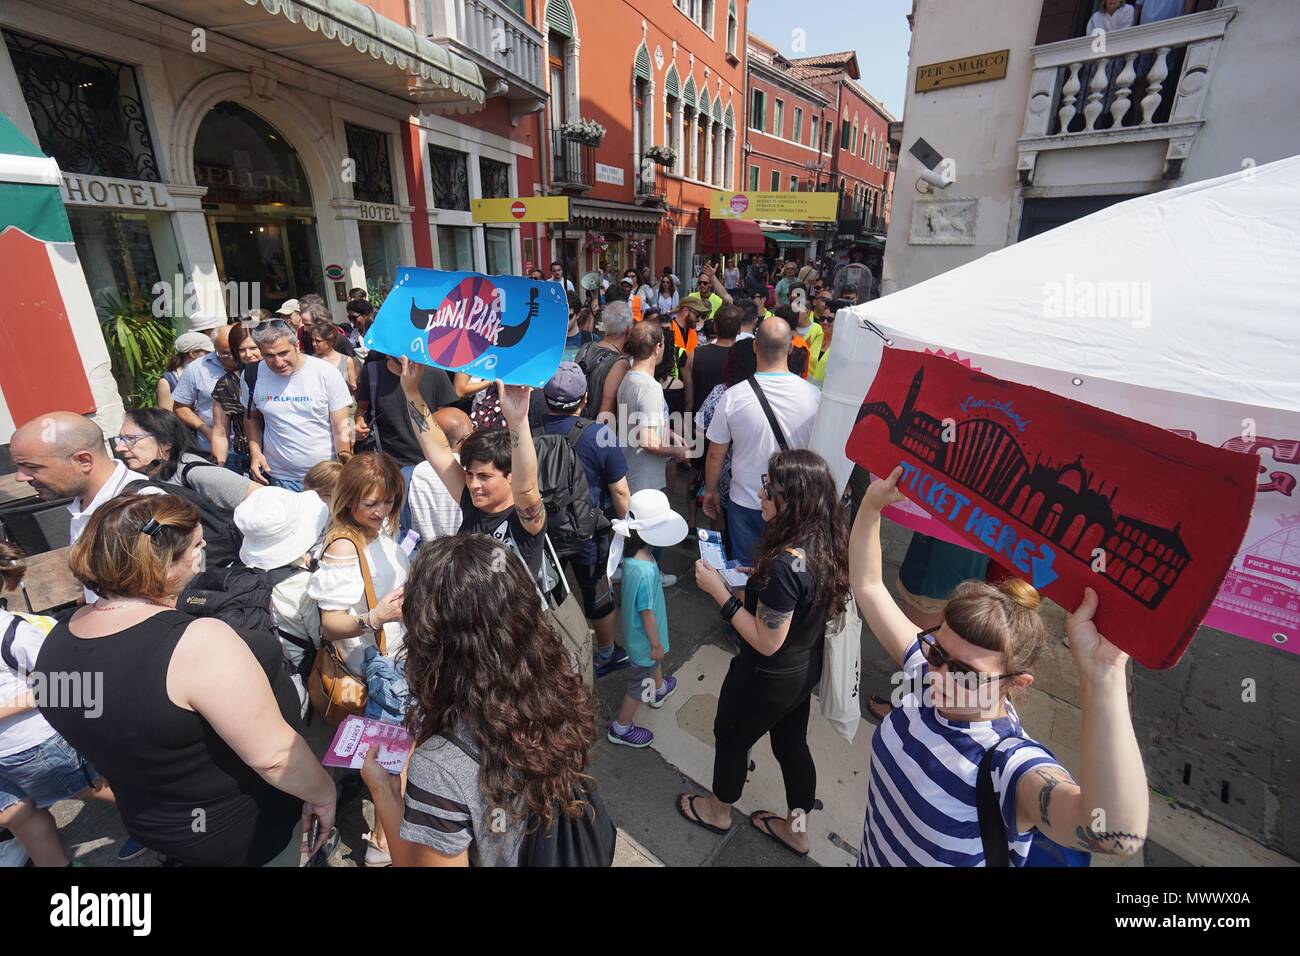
(434, 512)
(63, 455)
(741, 426)
(298, 412)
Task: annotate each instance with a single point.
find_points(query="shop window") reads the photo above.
(87, 110)
(380, 253)
(494, 178)
(498, 244)
(117, 251)
(449, 170)
(456, 248)
(368, 150)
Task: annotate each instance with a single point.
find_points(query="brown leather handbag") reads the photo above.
(336, 692)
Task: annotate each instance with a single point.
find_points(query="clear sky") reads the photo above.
(875, 29)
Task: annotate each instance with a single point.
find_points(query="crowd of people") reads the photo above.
(303, 529)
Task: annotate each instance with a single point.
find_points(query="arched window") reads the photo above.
(729, 144)
(562, 64)
(731, 27)
(673, 115)
(642, 101)
(690, 139)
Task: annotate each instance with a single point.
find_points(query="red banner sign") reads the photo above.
(1065, 494)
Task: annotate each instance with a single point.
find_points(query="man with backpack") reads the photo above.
(600, 360)
(569, 434)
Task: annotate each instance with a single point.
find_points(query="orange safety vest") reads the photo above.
(686, 345)
(798, 342)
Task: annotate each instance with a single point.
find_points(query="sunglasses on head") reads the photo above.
(936, 656)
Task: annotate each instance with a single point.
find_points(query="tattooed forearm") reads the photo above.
(1107, 841)
(1045, 795)
(532, 513)
(514, 439)
(419, 415)
(773, 620)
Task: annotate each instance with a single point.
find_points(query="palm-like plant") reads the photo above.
(139, 345)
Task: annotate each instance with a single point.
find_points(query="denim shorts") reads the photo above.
(45, 774)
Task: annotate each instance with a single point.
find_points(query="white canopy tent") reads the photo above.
(1180, 309)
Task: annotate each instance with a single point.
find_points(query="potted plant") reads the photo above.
(139, 345)
(663, 155)
(583, 131)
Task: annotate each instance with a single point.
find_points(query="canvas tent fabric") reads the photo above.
(29, 188)
(1188, 292)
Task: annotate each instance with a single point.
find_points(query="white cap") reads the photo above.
(204, 323)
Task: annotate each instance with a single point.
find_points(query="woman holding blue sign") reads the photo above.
(955, 780)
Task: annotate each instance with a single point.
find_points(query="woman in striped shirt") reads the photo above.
(954, 705)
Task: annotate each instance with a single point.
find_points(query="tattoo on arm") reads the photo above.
(419, 415)
(1045, 795)
(514, 439)
(532, 513)
(771, 619)
(1108, 841)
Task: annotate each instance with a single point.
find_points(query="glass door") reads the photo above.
(276, 257)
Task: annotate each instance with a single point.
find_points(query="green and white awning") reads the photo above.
(29, 188)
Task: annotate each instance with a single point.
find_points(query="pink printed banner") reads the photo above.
(1259, 598)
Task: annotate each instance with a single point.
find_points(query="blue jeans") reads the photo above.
(237, 463)
(290, 483)
(45, 774)
(745, 527)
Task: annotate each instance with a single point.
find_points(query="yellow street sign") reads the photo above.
(799, 206)
(521, 209)
(967, 69)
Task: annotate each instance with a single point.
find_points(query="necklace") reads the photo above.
(117, 607)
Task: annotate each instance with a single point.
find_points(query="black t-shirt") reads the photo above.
(706, 373)
(790, 589)
(504, 526)
(389, 407)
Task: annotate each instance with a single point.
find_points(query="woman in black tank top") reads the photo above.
(194, 725)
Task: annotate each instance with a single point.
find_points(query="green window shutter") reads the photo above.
(642, 66)
(729, 120)
(688, 94)
(559, 17)
(672, 83)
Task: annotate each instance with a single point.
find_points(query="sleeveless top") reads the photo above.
(180, 789)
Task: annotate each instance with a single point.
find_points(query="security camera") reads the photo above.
(939, 172)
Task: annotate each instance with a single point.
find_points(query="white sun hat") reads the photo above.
(279, 526)
(650, 515)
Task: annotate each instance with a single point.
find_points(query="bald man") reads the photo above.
(63, 454)
(192, 397)
(434, 513)
(741, 426)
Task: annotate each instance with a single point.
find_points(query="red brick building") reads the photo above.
(653, 73)
(857, 139)
(784, 143)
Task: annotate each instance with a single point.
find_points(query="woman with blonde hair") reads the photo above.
(362, 558)
(188, 718)
(954, 724)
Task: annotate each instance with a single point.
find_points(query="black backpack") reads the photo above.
(595, 363)
(571, 518)
(219, 531)
(241, 597)
(587, 840)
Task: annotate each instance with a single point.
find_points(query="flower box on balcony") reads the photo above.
(588, 132)
(662, 155)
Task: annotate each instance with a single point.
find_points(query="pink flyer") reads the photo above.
(356, 735)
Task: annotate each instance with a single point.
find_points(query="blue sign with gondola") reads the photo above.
(505, 327)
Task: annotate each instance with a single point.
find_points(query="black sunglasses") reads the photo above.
(936, 656)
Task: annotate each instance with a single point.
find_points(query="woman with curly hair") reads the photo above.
(502, 722)
(800, 580)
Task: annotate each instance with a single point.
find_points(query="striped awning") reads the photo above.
(347, 38)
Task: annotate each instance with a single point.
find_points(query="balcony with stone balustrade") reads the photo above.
(506, 47)
(1145, 84)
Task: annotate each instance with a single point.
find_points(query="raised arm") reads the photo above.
(433, 443)
(1106, 811)
(523, 457)
(866, 571)
(220, 433)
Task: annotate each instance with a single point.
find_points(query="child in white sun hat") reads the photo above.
(650, 522)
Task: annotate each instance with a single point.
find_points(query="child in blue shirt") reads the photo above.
(650, 521)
